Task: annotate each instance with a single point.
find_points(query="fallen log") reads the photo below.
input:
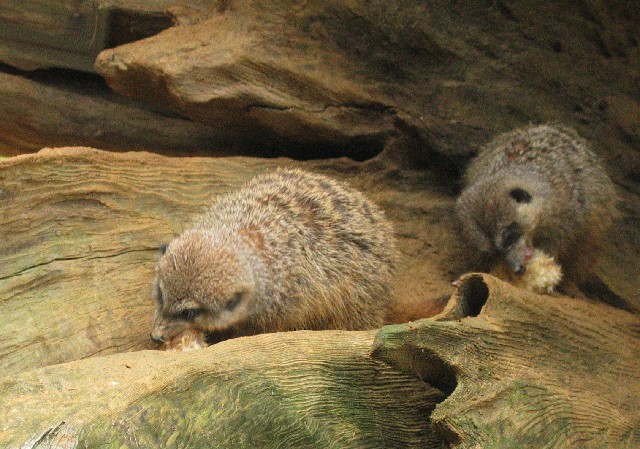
(298, 389)
(83, 228)
(525, 370)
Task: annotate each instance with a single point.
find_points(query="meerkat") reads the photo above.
(539, 187)
(289, 250)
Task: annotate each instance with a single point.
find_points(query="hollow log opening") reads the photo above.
(472, 296)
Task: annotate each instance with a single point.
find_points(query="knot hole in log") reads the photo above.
(471, 296)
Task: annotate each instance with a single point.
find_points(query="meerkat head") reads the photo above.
(202, 284)
(500, 216)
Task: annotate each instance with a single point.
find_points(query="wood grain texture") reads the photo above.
(83, 227)
(524, 370)
(41, 34)
(82, 230)
(69, 34)
(48, 109)
(300, 389)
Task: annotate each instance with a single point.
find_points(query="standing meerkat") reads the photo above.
(289, 250)
(539, 187)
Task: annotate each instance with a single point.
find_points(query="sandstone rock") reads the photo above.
(48, 109)
(525, 370)
(418, 78)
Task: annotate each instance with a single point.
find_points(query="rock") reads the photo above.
(70, 35)
(55, 109)
(352, 78)
(297, 389)
(524, 369)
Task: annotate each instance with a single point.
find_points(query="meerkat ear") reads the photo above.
(163, 248)
(520, 195)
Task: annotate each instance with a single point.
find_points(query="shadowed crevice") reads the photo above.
(472, 296)
(599, 290)
(437, 373)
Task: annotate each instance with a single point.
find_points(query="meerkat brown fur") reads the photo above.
(289, 250)
(539, 187)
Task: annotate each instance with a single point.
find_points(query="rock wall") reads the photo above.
(355, 77)
(419, 79)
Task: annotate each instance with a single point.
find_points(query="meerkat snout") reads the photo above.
(500, 216)
(514, 247)
(156, 338)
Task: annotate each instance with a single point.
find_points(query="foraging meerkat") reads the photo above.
(289, 250)
(539, 187)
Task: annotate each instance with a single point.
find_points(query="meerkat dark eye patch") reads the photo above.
(163, 248)
(520, 195)
(188, 314)
(510, 235)
(234, 302)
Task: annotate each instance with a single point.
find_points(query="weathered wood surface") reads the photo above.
(82, 228)
(420, 80)
(294, 390)
(351, 78)
(69, 34)
(55, 110)
(525, 370)
(40, 33)
(337, 77)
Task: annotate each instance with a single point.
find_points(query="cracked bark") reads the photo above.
(65, 259)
